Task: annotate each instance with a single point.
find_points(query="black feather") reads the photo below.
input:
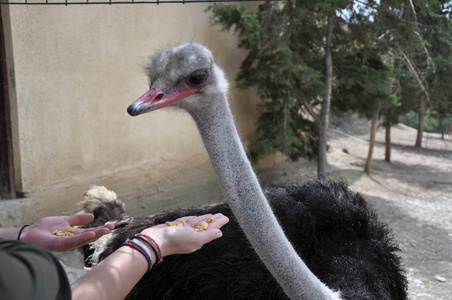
(339, 238)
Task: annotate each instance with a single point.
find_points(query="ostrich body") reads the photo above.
(331, 228)
(187, 77)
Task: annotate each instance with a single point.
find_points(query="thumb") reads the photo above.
(81, 219)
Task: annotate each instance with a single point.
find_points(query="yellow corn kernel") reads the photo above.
(70, 230)
(209, 220)
(169, 224)
(204, 225)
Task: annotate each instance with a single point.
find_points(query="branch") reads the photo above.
(427, 53)
(416, 24)
(312, 112)
(414, 11)
(415, 75)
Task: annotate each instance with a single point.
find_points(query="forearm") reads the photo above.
(113, 278)
(9, 233)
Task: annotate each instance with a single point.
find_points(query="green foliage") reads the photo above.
(364, 85)
(285, 64)
(246, 23)
(278, 134)
(433, 62)
(283, 70)
(433, 123)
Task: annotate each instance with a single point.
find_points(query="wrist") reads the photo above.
(21, 233)
(147, 247)
(139, 251)
(159, 240)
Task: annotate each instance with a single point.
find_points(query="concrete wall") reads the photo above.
(76, 69)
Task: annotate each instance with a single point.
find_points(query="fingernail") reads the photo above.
(219, 234)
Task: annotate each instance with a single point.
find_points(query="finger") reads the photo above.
(202, 219)
(80, 219)
(193, 218)
(218, 221)
(190, 220)
(66, 243)
(210, 235)
(108, 226)
(76, 246)
(77, 240)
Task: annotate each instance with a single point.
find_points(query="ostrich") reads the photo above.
(335, 247)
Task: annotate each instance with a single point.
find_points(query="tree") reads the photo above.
(364, 87)
(429, 65)
(437, 32)
(298, 73)
(364, 71)
(290, 65)
(398, 35)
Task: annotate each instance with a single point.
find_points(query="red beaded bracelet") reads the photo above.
(154, 246)
(141, 250)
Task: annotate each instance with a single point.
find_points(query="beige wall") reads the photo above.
(76, 69)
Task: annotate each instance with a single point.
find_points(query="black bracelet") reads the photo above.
(157, 257)
(20, 231)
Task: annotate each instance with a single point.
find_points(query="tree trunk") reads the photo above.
(388, 143)
(373, 132)
(420, 127)
(325, 111)
(441, 127)
(321, 161)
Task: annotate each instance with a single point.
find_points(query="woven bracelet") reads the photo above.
(133, 246)
(151, 262)
(154, 249)
(20, 231)
(140, 249)
(155, 246)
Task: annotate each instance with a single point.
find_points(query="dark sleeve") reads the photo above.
(28, 271)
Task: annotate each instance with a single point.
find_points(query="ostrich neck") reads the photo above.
(250, 207)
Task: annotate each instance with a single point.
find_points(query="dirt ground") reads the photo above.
(413, 194)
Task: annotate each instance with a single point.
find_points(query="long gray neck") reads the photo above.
(250, 206)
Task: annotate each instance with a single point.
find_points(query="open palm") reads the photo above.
(40, 233)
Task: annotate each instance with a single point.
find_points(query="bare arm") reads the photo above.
(116, 275)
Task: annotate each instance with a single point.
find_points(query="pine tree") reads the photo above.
(290, 65)
(304, 55)
(428, 63)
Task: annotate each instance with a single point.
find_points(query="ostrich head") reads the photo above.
(181, 77)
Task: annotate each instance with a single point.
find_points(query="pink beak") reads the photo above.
(155, 99)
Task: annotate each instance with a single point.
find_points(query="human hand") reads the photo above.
(40, 233)
(184, 239)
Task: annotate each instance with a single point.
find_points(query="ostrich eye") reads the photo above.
(197, 77)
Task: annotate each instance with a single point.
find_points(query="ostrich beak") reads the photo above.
(155, 99)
